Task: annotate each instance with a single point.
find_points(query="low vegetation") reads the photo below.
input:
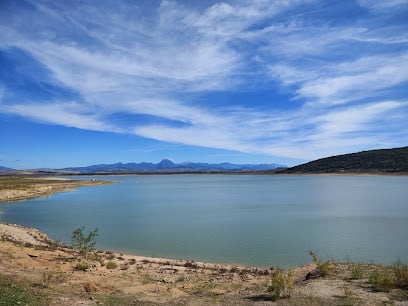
(388, 278)
(82, 266)
(357, 272)
(322, 268)
(111, 265)
(23, 183)
(53, 277)
(13, 292)
(401, 274)
(385, 161)
(280, 285)
(382, 280)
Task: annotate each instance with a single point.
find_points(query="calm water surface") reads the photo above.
(254, 220)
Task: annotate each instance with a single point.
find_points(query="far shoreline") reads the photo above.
(263, 173)
(21, 188)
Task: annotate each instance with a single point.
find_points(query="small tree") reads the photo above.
(82, 243)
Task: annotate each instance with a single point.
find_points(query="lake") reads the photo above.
(245, 219)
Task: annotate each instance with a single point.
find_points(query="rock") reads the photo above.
(124, 266)
(91, 287)
(314, 274)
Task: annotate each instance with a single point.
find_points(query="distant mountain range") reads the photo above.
(373, 161)
(5, 168)
(167, 166)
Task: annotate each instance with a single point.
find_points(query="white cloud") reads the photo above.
(66, 114)
(354, 127)
(301, 41)
(381, 5)
(128, 63)
(291, 75)
(354, 119)
(346, 81)
(78, 68)
(304, 135)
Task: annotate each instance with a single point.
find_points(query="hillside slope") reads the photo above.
(374, 161)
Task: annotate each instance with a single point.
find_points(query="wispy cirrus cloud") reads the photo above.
(67, 114)
(344, 123)
(120, 58)
(381, 5)
(350, 81)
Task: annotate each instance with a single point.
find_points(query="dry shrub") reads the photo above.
(401, 274)
(382, 280)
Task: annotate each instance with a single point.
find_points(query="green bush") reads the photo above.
(96, 257)
(111, 265)
(82, 243)
(280, 284)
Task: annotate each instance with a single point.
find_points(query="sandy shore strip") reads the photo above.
(23, 235)
(23, 188)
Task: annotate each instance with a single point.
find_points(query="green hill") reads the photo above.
(374, 161)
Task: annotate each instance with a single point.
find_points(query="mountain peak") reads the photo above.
(166, 163)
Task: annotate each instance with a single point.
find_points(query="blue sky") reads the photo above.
(282, 81)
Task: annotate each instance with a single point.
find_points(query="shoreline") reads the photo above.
(56, 175)
(29, 236)
(260, 172)
(67, 277)
(14, 189)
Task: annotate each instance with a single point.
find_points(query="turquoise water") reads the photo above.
(248, 219)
